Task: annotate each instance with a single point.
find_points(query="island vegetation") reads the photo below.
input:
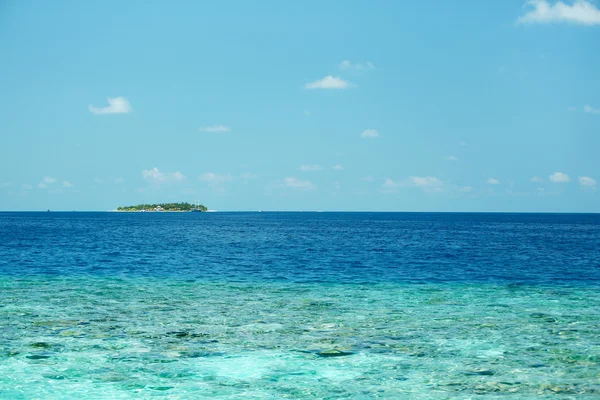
(164, 207)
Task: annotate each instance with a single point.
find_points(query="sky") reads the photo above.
(313, 105)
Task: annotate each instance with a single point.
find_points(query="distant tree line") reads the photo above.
(164, 206)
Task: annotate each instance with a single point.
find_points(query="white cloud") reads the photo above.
(346, 64)
(367, 178)
(7, 184)
(119, 180)
(587, 181)
(579, 12)
(591, 110)
(313, 167)
(572, 109)
(211, 177)
(425, 181)
(536, 179)
(559, 177)
(451, 158)
(493, 181)
(215, 129)
(466, 189)
(369, 133)
(154, 175)
(329, 82)
(338, 167)
(117, 105)
(48, 180)
(67, 184)
(390, 184)
(294, 183)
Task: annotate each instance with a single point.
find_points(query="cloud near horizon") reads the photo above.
(369, 133)
(427, 183)
(154, 175)
(48, 180)
(329, 82)
(310, 168)
(116, 105)
(591, 110)
(542, 11)
(587, 181)
(559, 177)
(215, 129)
(294, 183)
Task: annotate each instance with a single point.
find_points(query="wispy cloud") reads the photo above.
(338, 167)
(119, 180)
(294, 183)
(116, 105)
(369, 133)
(310, 168)
(578, 12)
(67, 184)
(451, 158)
(215, 129)
(6, 184)
(329, 82)
(368, 178)
(426, 182)
(591, 110)
(587, 181)
(211, 177)
(48, 180)
(364, 66)
(493, 181)
(559, 177)
(154, 175)
(389, 184)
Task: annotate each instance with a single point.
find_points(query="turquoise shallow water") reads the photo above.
(82, 337)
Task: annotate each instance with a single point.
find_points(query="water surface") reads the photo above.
(299, 305)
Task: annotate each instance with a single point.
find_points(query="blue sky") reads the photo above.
(337, 105)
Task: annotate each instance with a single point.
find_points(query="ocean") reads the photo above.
(299, 305)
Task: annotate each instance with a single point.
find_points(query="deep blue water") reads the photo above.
(306, 247)
(299, 305)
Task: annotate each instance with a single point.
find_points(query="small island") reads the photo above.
(168, 207)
